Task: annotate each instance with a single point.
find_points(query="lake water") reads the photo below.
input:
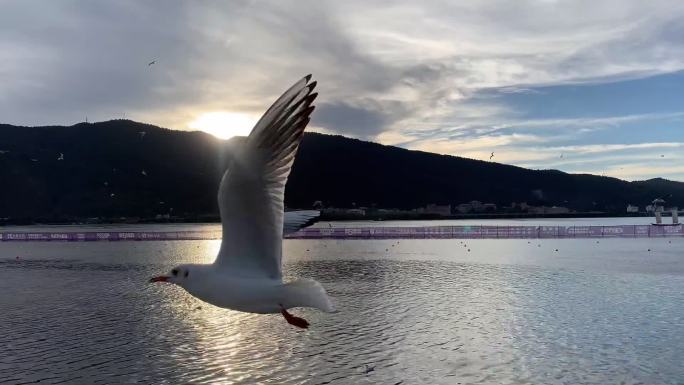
(569, 311)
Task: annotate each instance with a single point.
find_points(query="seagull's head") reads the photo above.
(180, 275)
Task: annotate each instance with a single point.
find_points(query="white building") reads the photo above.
(477, 205)
(489, 207)
(360, 212)
(464, 208)
(556, 210)
(443, 210)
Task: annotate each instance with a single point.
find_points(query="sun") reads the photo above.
(223, 124)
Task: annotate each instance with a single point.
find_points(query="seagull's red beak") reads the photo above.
(161, 278)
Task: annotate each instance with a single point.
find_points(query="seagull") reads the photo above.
(247, 273)
(61, 156)
(143, 172)
(152, 62)
(142, 134)
(491, 156)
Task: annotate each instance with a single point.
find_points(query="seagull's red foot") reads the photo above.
(293, 320)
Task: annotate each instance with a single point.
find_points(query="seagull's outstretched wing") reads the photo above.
(252, 190)
(295, 220)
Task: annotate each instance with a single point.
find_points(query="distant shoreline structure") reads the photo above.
(492, 232)
(427, 232)
(325, 216)
(103, 177)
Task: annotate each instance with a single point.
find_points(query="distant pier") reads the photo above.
(431, 232)
(491, 232)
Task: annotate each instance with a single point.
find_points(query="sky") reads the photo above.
(580, 86)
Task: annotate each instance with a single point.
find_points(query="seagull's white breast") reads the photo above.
(253, 295)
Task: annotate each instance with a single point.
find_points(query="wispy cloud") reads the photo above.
(441, 75)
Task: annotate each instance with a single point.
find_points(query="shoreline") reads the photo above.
(375, 232)
(325, 217)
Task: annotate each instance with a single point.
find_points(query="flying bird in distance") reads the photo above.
(61, 156)
(152, 62)
(491, 156)
(247, 273)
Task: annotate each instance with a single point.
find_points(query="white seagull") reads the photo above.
(247, 273)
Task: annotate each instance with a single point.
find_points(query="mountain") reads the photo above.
(124, 168)
(340, 171)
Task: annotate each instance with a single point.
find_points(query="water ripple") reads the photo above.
(95, 320)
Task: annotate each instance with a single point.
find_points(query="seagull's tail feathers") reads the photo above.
(308, 293)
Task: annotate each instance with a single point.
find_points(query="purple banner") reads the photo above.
(109, 236)
(432, 232)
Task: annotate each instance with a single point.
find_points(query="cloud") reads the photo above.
(626, 161)
(357, 121)
(440, 75)
(641, 172)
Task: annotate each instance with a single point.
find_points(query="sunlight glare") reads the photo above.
(224, 125)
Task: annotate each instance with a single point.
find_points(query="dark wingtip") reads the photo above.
(307, 77)
(312, 85)
(312, 97)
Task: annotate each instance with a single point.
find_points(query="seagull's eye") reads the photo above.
(187, 272)
(174, 272)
